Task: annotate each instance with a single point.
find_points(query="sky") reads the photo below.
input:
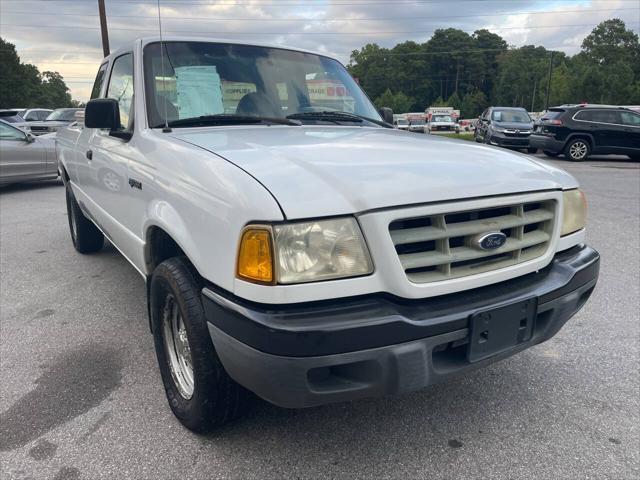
(64, 35)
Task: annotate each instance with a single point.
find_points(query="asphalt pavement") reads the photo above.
(82, 398)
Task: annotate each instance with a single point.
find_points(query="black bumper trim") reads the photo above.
(357, 323)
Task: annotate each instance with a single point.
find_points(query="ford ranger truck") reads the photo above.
(296, 246)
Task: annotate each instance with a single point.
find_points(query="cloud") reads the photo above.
(64, 35)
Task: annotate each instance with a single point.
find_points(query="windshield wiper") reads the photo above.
(335, 116)
(226, 119)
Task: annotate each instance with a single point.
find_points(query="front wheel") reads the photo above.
(577, 150)
(200, 392)
(86, 237)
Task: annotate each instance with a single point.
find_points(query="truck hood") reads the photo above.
(316, 171)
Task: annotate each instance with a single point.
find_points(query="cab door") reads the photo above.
(108, 156)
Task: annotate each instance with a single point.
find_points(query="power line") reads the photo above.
(293, 3)
(314, 20)
(373, 32)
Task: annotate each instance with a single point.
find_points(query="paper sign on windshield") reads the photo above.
(199, 91)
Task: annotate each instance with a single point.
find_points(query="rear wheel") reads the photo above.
(200, 392)
(86, 237)
(577, 150)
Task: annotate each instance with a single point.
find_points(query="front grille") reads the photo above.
(39, 129)
(517, 133)
(441, 247)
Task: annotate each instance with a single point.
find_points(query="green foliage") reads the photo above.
(22, 85)
(398, 102)
(474, 71)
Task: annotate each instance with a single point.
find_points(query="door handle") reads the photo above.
(89, 155)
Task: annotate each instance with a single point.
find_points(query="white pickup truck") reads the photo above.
(295, 245)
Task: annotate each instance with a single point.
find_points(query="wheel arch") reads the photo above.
(582, 135)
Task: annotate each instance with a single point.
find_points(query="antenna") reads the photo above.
(166, 128)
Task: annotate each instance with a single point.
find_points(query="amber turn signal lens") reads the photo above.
(255, 259)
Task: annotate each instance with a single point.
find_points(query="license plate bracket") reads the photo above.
(500, 329)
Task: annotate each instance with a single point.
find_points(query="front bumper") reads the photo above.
(504, 140)
(322, 352)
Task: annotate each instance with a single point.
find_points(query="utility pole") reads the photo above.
(546, 107)
(533, 97)
(103, 28)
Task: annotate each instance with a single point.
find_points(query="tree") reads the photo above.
(610, 43)
(454, 101)
(22, 85)
(398, 102)
(473, 104)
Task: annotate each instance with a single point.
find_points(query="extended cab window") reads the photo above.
(121, 87)
(97, 85)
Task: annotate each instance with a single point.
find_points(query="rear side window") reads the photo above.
(631, 119)
(121, 87)
(552, 115)
(599, 116)
(42, 114)
(97, 85)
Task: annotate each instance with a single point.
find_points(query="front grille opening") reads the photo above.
(456, 242)
(427, 246)
(410, 223)
(532, 227)
(475, 263)
(476, 215)
(532, 206)
(423, 269)
(507, 231)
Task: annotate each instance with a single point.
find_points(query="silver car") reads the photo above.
(60, 117)
(24, 157)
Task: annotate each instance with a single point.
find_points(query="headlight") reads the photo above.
(574, 211)
(498, 129)
(321, 250)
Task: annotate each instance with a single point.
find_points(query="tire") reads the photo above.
(532, 150)
(577, 149)
(634, 157)
(212, 398)
(550, 154)
(86, 237)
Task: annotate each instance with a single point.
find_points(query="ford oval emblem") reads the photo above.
(490, 241)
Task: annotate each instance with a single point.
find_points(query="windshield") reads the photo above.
(206, 79)
(65, 115)
(402, 122)
(510, 116)
(442, 118)
(417, 122)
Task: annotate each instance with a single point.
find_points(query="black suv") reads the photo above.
(581, 130)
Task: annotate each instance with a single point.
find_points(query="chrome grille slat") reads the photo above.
(442, 250)
(461, 254)
(423, 234)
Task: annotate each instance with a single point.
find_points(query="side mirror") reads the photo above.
(102, 113)
(387, 114)
(29, 138)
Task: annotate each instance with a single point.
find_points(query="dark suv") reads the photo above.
(505, 127)
(581, 130)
